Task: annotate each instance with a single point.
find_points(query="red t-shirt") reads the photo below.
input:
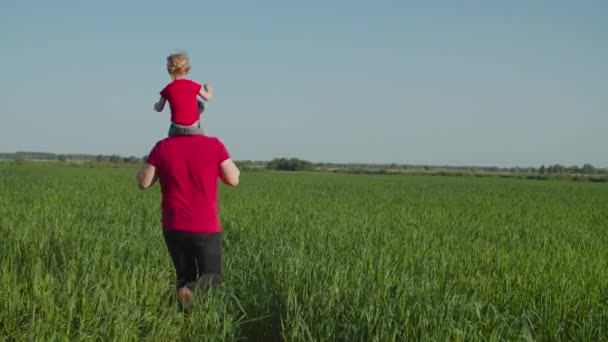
(188, 171)
(181, 95)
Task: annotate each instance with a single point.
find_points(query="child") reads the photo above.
(182, 96)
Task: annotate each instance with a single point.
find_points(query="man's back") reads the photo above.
(188, 168)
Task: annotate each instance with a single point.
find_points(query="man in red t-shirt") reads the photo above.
(188, 168)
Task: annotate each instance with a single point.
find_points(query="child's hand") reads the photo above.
(206, 92)
(208, 88)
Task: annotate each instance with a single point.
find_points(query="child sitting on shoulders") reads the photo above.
(182, 95)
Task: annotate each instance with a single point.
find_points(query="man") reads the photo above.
(188, 168)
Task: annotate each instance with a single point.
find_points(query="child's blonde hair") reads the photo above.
(178, 64)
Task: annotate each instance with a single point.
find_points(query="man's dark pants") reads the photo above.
(197, 258)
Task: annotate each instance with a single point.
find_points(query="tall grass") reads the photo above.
(308, 257)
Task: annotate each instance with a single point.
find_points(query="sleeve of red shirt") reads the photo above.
(222, 152)
(163, 92)
(196, 87)
(154, 156)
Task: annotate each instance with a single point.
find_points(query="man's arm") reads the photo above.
(206, 92)
(229, 173)
(146, 176)
(160, 105)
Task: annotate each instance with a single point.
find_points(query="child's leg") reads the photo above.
(176, 129)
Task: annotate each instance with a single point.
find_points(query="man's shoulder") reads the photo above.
(210, 140)
(186, 139)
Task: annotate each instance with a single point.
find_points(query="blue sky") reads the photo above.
(513, 83)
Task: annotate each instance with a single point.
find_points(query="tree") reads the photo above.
(542, 170)
(133, 160)
(114, 159)
(588, 169)
(558, 168)
(572, 169)
(62, 158)
(291, 164)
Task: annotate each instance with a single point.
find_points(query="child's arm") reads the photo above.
(206, 92)
(160, 105)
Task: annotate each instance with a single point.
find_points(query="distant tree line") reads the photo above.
(295, 164)
(114, 158)
(560, 169)
(290, 164)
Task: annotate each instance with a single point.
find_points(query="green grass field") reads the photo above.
(308, 256)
